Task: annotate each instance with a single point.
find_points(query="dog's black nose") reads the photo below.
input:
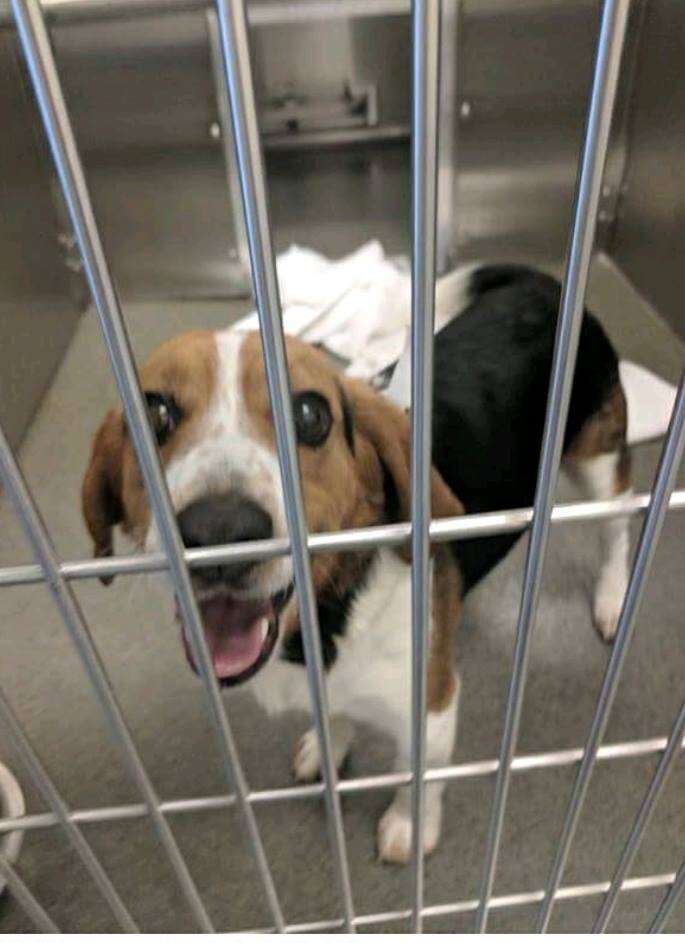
(224, 519)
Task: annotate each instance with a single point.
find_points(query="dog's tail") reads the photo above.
(650, 398)
(455, 291)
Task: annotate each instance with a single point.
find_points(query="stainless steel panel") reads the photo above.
(522, 82)
(326, 54)
(650, 231)
(37, 310)
(142, 82)
(146, 116)
(143, 99)
(514, 85)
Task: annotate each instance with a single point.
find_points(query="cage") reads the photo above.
(141, 141)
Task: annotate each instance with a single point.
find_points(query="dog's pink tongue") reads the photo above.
(235, 631)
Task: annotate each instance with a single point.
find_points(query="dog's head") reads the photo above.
(209, 407)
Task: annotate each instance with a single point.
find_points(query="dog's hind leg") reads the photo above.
(599, 462)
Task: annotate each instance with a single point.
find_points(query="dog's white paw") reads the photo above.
(307, 759)
(608, 602)
(395, 833)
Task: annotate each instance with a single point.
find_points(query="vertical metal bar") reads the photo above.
(668, 759)
(58, 806)
(227, 143)
(651, 529)
(669, 902)
(425, 66)
(236, 57)
(26, 899)
(40, 60)
(37, 535)
(448, 143)
(605, 81)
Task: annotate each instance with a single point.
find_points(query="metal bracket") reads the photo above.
(294, 111)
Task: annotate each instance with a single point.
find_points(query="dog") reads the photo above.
(209, 408)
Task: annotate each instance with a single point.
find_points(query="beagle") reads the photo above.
(209, 408)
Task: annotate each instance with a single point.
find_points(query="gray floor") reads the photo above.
(165, 707)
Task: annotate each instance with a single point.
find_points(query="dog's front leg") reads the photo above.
(307, 759)
(395, 827)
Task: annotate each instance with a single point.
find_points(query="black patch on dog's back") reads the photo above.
(492, 369)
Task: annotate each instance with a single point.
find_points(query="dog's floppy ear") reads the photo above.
(101, 489)
(386, 427)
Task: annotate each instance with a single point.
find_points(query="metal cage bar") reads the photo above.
(591, 168)
(424, 172)
(38, 537)
(236, 58)
(526, 763)
(669, 464)
(42, 68)
(386, 535)
(669, 902)
(50, 793)
(227, 143)
(668, 759)
(26, 898)
(572, 892)
(231, 53)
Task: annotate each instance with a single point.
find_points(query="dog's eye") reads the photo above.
(313, 418)
(165, 415)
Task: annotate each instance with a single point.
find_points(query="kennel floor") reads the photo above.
(164, 704)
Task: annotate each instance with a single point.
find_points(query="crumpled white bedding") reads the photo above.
(359, 308)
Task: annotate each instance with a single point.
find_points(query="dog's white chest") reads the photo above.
(371, 677)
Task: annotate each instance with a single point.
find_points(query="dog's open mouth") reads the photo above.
(240, 633)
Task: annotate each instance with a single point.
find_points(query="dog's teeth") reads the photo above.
(264, 627)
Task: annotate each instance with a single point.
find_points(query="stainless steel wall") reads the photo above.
(38, 310)
(516, 76)
(145, 111)
(649, 241)
(521, 88)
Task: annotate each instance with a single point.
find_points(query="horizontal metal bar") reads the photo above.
(260, 13)
(467, 527)
(336, 137)
(504, 902)
(630, 749)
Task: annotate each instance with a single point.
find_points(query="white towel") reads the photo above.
(359, 308)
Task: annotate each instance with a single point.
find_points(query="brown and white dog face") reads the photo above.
(210, 409)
